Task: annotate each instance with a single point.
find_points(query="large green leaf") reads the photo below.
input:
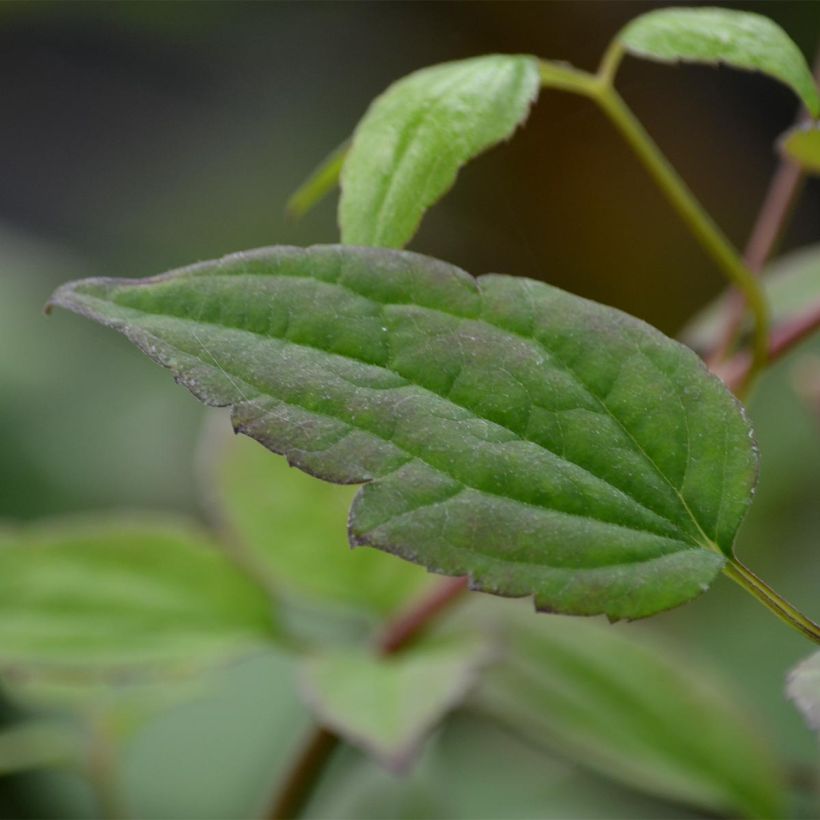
(541, 443)
(94, 597)
(388, 705)
(413, 139)
(803, 688)
(293, 529)
(629, 708)
(718, 35)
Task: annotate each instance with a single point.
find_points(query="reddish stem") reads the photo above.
(304, 774)
(783, 339)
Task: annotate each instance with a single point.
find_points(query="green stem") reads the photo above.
(599, 88)
(771, 600)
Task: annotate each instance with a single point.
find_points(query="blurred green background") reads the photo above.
(136, 137)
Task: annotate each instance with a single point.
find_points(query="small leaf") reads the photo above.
(413, 139)
(718, 35)
(541, 443)
(628, 708)
(792, 285)
(117, 596)
(322, 180)
(388, 705)
(802, 144)
(293, 528)
(803, 687)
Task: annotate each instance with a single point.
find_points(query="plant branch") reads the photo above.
(306, 770)
(784, 338)
(771, 600)
(778, 205)
(599, 88)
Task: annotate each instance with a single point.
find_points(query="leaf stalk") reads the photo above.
(785, 611)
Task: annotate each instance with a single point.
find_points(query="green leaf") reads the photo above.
(322, 180)
(719, 35)
(413, 139)
(388, 705)
(293, 529)
(792, 285)
(117, 596)
(543, 444)
(802, 144)
(628, 708)
(803, 688)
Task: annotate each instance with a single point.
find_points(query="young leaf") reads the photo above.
(718, 35)
(293, 528)
(628, 708)
(320, 183)
(115, 596)
(802, 144)
(803, 687)
(413, 139)
(388, 705)
(540, 443)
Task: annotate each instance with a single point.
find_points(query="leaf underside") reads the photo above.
(540, 443)
(710, 35)
(414, 138)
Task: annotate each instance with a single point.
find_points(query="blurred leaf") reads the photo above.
(792, 284)
(719, 35)
(39, 743)
(802, 144)
(322, 180)
(118, 596)
(415, 137)
(803, 687)
(543, 444)
(632, 711)
(293, 529)
(388, 705)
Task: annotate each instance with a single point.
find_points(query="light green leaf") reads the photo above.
(719, 35)
(792, 285)
(322, 180)
(117, 596)
(540, 443)
(802, 144)
(388, 705)
(631, 710)
(415, 137)
(803, 688)
(293, 529)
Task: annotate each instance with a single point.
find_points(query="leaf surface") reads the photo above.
(739, 39)
(294, 529)
(415, 137)
(802, 144)
(388, 705)
(803, 688)
(629, 708)
(87, 598)
(543, 444)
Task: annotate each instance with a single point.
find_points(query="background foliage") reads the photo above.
(138, 137)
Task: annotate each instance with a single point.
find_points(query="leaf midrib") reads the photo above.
(261, 389)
